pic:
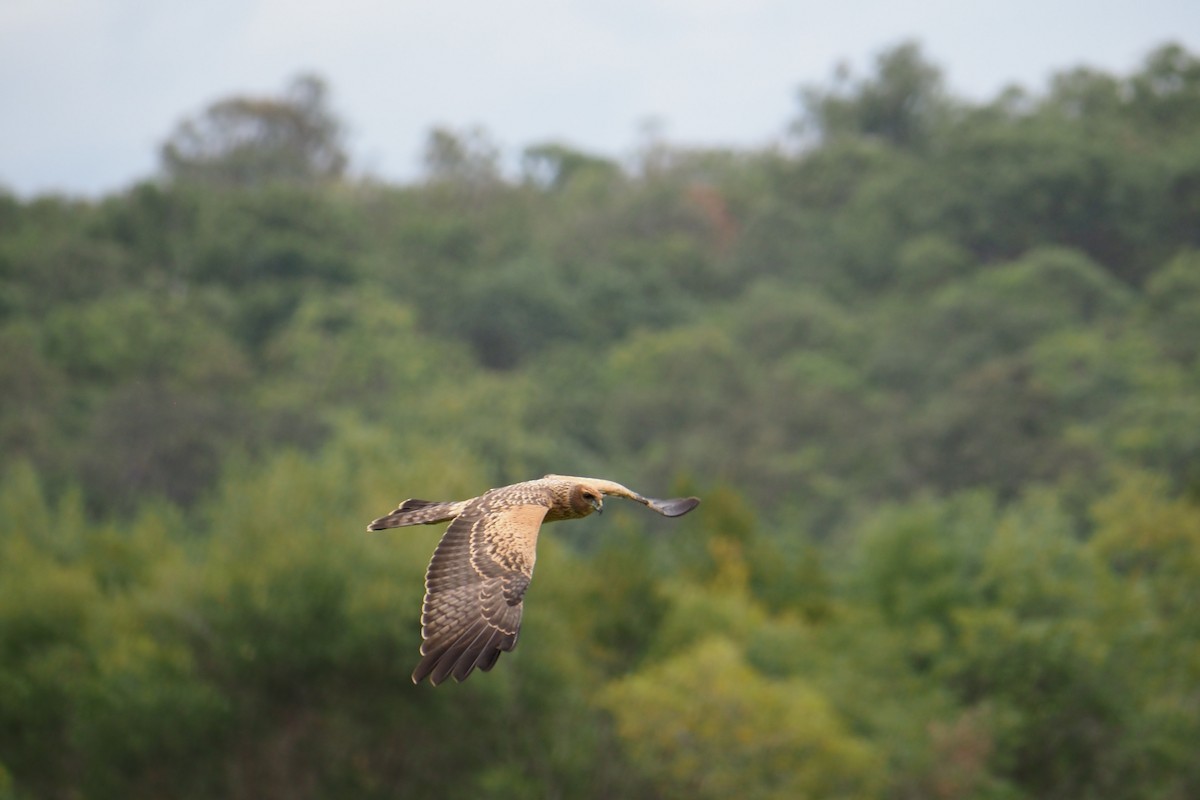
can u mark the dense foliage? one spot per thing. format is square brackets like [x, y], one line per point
[935, 371]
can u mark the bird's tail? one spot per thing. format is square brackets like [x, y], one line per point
[417, 512]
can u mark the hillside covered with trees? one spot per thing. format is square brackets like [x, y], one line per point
[933, 365]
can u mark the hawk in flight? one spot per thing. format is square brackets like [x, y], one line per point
[482, 566]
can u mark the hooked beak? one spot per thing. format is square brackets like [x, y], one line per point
[598, 504]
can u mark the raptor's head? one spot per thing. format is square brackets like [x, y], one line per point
[586, 498]
[587, 494]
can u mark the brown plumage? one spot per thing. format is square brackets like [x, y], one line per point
[477, 579]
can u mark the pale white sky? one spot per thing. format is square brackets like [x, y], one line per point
[90, 88]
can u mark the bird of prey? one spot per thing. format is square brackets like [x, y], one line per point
[482, 566]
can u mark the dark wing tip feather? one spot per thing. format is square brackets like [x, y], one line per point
[478, 647]
[488, 660]
[675, 507]
[413, 512]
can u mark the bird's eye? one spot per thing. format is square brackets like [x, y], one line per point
[589, 496]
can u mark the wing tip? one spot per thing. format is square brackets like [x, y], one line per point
[414, 512]
[675, 507]
[460, 658]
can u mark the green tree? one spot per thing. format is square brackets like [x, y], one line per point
[467, 159]
[554, 166]
[1151, 539]
[902, 104]
[1166, 93]
[1173, 306]
[246, 141]
[705, 724]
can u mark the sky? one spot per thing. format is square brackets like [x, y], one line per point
[90, 89]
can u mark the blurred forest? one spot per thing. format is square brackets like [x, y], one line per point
[933, 365]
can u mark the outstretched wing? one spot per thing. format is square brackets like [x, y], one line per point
[475, 585]
[417, 512]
